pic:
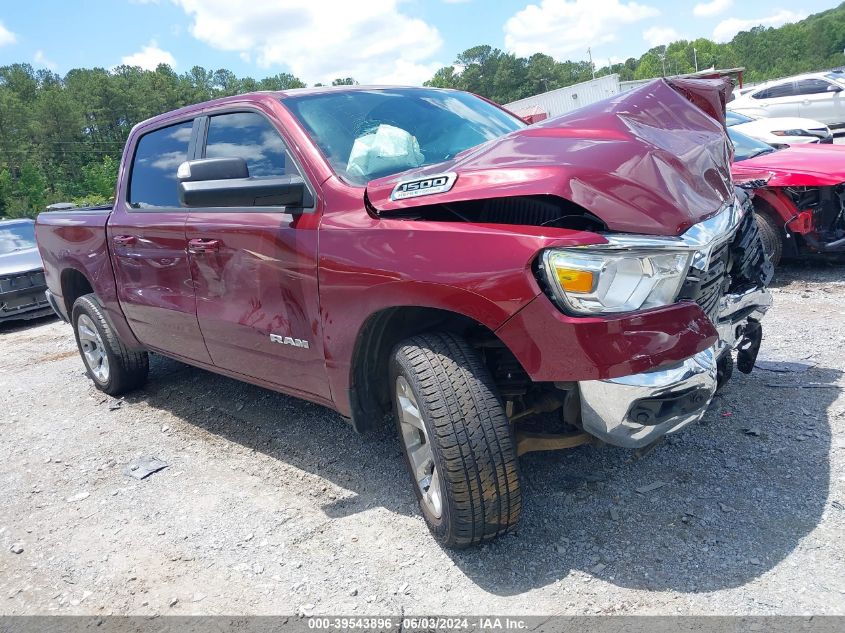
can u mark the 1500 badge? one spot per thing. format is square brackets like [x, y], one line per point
[438, 183]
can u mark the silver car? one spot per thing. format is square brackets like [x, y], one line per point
[22, 283]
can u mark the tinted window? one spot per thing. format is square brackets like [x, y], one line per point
[157, 157]
[812, 86]
[250, 136]
[734, 118]
[16, 237]
[366, 134]
[780, 90]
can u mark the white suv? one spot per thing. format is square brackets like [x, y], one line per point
[816, 96]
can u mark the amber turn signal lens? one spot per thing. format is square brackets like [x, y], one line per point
[573, 280]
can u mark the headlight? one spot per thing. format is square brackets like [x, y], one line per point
[792, 133]
[593, 281]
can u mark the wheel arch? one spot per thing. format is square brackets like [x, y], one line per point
[74, 284]
[369, 392]
[777, 206]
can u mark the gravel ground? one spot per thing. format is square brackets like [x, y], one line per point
[274, 505]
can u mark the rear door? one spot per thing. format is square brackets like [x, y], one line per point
[255, 268]
[821, 100]
[148, 245]
[778, 100]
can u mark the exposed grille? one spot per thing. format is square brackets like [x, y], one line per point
[734, 266]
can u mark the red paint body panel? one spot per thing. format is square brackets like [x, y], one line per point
[367, 265]
[154, 285]
[809, 165]
[261, 279]
[78, 242]
[552, 346]
[645, 162]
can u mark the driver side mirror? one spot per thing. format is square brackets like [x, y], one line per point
[225, 182]
[832, 88]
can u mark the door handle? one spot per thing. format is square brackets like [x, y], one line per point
[199, 245]
[124, 240]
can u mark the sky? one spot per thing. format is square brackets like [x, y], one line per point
[374, 41]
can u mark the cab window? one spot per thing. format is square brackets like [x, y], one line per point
[158, 154]
[250, 136]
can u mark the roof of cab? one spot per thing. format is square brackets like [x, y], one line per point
[261, 95]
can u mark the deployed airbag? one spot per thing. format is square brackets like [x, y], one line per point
[389, 148]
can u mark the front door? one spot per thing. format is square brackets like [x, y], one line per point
[147, 239]
[821, 100]
[255, 269]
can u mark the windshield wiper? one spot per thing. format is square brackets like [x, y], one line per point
[761, 152]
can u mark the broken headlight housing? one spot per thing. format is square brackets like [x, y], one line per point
[616, 277]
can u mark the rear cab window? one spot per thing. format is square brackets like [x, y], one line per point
[158, 154]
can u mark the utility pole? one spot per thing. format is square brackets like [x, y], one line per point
[695, 56]
[592, 67]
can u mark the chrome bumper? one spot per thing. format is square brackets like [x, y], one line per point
[633, 411]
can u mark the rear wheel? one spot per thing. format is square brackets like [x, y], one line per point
[113, 368]
[770, 235]
[458, 444]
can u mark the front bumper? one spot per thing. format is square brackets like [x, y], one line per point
[633, 411]
[29, 303]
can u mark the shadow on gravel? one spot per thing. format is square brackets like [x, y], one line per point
[740, 490]
[719, 504]
[809, 271]
[20, 325]
[293, 431]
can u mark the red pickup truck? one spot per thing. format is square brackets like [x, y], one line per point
[501, 288]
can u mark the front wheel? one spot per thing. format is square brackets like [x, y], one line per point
[458, 444]
[113, 368]
[770, 236]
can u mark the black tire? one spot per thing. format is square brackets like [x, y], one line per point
[127, 370]
[770, 235]
[471, 440]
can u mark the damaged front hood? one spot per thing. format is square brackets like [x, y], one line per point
[654, 160]
[809, 165]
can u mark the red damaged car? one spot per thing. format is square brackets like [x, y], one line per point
[423, 251]
[799, 195]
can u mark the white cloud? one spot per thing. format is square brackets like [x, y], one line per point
[726, 29]
[6, 36]
[559, 28]
[149, 57]
[320, 40]
[661, 35]
[41, 59]
[709, 9]
[604, 62]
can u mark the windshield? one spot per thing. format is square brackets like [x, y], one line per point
[746, 147]
[735, 118]
[16, 237]
[368, 134]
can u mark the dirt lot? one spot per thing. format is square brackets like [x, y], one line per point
[274, 505]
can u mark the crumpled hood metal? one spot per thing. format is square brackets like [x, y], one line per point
[654, 160]
[20, 261]
[805, 165]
